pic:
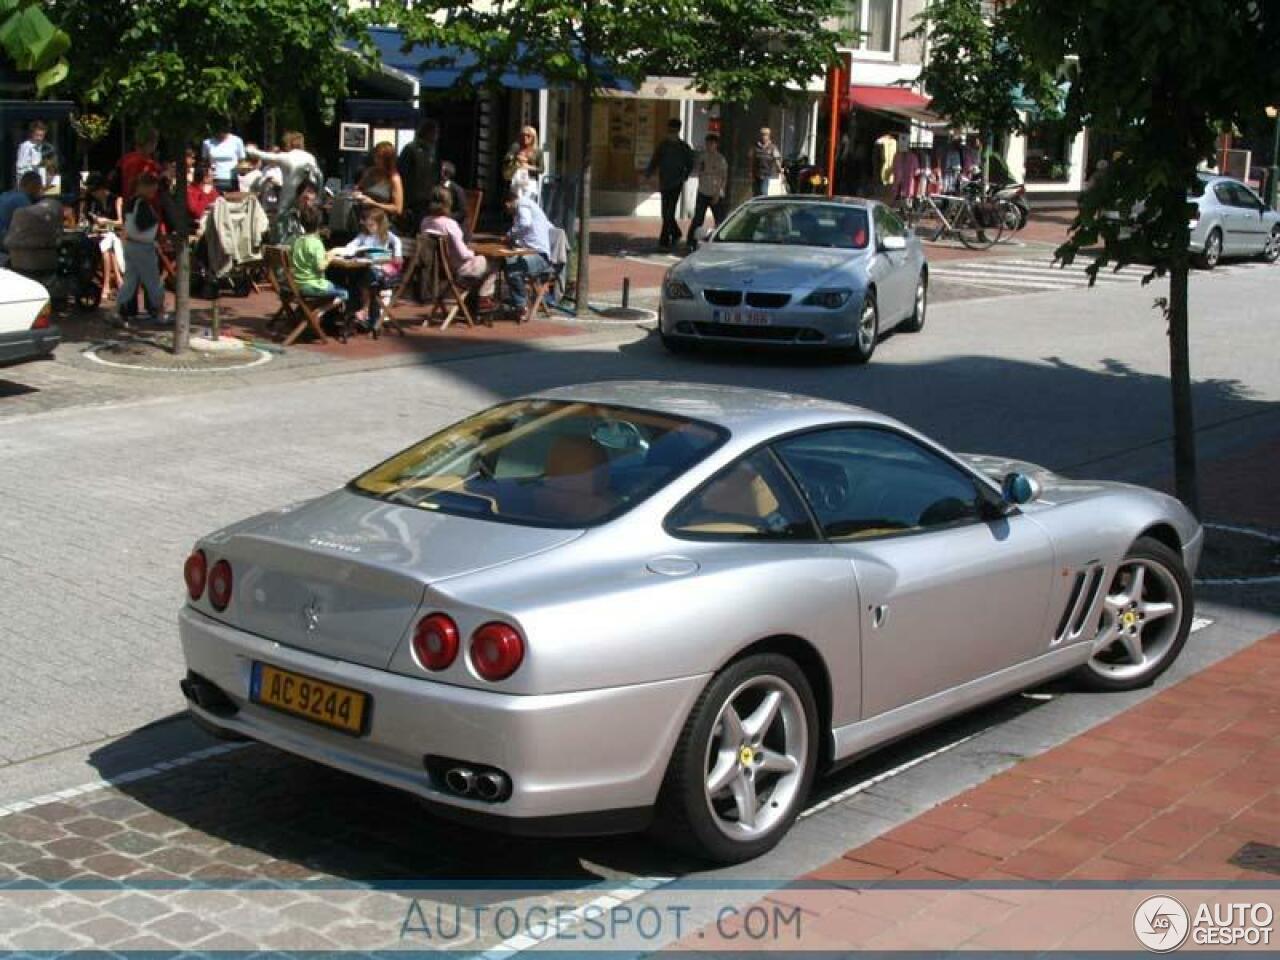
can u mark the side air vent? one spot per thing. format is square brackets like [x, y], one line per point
[1080, 608]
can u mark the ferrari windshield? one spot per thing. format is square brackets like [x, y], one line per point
[544, 463]
[802, 224]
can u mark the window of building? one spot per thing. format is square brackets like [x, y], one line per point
[1048, 152]
[870, 24]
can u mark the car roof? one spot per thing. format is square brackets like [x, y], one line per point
[726, 406]
[814, 198]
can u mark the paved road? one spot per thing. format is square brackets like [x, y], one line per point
[104, 502]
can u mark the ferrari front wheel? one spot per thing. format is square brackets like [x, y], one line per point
[744, 762]
[1145, 619]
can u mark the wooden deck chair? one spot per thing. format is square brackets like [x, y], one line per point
[419, 251]
[296, 308]
[475, 200]
[448, 296]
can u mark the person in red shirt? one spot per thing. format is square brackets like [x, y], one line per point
[140, 160]
[201, 195]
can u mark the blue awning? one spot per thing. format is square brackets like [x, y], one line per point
[439, 68]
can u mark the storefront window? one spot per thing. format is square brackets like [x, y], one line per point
[870, 25]
[624, 133]
[1048, 153]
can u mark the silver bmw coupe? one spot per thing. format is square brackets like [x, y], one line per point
[802, 272]
[629, 604]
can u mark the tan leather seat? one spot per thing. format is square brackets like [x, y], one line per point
[575, 484]
[739, 502]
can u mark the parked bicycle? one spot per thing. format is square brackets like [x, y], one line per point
[977, 220]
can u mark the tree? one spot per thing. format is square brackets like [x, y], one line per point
[182, 67]
[977, 72]
[734, 50]
[1161, 81]
[33, 43]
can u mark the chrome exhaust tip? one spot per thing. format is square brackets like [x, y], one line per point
[460, 780]
[491, 785]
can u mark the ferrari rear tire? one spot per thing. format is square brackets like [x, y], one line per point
[744, 762]
[1145, 621]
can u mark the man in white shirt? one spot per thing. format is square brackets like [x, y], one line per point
[295, 164]
[531, 230]
[32, 151]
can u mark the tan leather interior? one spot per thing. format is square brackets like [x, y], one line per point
[741, 493]
[576, 479]
[576, 456]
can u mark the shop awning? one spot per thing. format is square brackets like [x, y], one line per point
[438, 68]
[896, 101]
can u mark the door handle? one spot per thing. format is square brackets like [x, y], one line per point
[879, 614]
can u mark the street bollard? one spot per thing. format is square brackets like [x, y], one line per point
[626, 292]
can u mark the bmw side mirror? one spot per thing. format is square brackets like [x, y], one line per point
[1018, 488]
[893, 243]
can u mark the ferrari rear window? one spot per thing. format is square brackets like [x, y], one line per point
[544, 463]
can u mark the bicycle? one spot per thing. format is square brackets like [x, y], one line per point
[977, 221]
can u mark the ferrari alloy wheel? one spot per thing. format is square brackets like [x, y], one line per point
[1212, 250]
[1271, 252]
[867, 332]
[915, 322]
[744, 762]
[1146, 617]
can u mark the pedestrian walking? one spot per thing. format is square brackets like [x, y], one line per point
[672, 161]
[141, 265]
[420, 171]
[765, 163]
[712, 169]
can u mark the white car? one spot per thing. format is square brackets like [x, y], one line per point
[27, 331]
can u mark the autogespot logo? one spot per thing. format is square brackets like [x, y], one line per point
[1161, 924]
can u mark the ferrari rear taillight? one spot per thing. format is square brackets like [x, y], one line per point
[497, 650]
[196, 572]
[435, 641]
[220, 585]
[44, 317]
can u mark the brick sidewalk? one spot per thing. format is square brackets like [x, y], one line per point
[1169, 790]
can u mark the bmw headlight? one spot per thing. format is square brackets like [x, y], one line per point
[675, 289]
[828, 299]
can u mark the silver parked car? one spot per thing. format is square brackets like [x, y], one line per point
[629, 604]
[799, 271]
[1232, 222]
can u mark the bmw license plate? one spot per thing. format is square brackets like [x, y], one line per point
[316, 700]
[748, 318]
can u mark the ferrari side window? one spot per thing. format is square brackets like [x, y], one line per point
[868, 482]
[751, 499]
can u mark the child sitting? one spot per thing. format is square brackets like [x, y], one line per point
[386, 257]
[310, 261]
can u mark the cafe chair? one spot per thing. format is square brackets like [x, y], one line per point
[295, 307]
[475, 201]
[448, 295]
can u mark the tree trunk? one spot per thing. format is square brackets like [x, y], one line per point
[581, 297]
[1184, 434]
[182, 282]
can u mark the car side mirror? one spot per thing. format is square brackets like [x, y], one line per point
[893, 243]
[1019, 488]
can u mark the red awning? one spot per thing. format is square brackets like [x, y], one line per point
[898, 101]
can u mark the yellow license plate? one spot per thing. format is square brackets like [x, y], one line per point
[316, 700]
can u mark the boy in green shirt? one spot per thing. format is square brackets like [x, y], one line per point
[310, 259]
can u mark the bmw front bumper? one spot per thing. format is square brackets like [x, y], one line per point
[590, 761]
[794, 325]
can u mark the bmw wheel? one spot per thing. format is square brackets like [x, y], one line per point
[1212, 249]
[915, 322]
[744, 762]
[1145, 620]
[867, 332]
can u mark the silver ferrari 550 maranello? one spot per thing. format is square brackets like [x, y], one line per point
[802, 272]
[627, 604]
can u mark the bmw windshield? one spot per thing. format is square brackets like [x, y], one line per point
[543, 463]
[797, 224]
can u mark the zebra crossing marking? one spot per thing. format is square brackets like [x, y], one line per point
[1023, 275]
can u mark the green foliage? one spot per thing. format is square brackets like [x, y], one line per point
[977, 66]
[736, 49]
[33, 43]
[1160, 82]
[181, 65]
